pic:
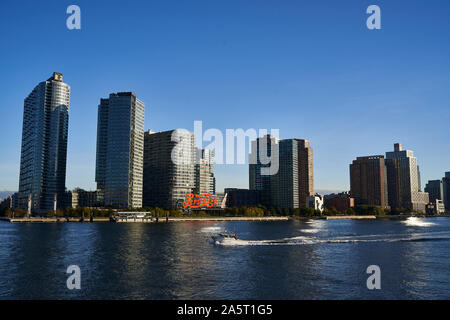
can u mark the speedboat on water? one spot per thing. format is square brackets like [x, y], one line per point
[224, 237]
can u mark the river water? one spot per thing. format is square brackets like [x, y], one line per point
[316, 259]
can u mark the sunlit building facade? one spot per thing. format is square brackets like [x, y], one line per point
[120, 150]
[204, 171]
[403, 179]
[169, 168]
[44, 145]
[368, 181]
[291, 179]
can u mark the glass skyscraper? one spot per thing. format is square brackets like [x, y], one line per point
[120, 150]
[289, 185]
[262, 147]
[204, 171]
[44, 145]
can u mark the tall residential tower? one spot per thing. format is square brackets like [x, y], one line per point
[44, 145]
[204, 171]
[404, 180]
[291, 181]
[120, 150]
[368, 181]
[169, 171]
[446, 187]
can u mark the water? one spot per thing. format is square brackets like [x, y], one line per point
[314, 259]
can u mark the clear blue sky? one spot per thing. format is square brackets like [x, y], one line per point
[309, 68]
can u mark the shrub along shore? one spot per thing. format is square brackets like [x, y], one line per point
[258, 211]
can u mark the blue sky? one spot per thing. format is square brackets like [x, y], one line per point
[311, 69]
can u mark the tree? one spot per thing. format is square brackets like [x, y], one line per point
[7, 213]
[350, 212]
[19, 213]
[86, 212]
[59, 213]
[332, 211]
[307, 212]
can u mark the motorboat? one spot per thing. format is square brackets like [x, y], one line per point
[222, 237]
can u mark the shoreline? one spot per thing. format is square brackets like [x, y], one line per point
[209, 219]
[140, 220]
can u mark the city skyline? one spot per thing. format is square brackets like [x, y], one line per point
[271, 62]
[226, 186]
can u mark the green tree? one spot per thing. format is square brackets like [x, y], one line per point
[350, 212]
[307, 212]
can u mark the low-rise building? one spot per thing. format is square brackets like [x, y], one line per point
[81, 198]
[340, 202]
[242, 197]
[435, 208]
[316, 202]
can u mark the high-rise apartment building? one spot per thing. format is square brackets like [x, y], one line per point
[368, 181]
[120, 150]
[293, 182]
[261, 150]
[305, 171]
[285, 183]
[446, 189]
[204, 171]
[435, 189]
[44, 145]
[404, 181]
[169, 168]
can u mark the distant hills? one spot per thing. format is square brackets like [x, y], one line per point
[327, 191]
[5, 194]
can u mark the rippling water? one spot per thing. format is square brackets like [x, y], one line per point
[315, 259]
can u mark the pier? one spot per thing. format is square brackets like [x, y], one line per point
[350, 217]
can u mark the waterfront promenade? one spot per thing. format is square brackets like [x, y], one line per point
[140, 220]
[203, 219]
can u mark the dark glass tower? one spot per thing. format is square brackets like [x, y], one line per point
[120, 150]
[44, 145]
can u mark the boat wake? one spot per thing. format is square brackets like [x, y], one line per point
[303, 240]
[417, 222]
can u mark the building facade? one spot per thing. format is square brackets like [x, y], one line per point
[305, 171]
[82, 198]
[285, 183]
[120, 150]
[404, 181]
[204, 171]
[340, 202]
[315, 202]
[435, 207]
[446, 190]
[242, 197]
[290, 181]
[262, 150]
[169, 168]
[44, 145]
[368, 181]
[435, 189]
